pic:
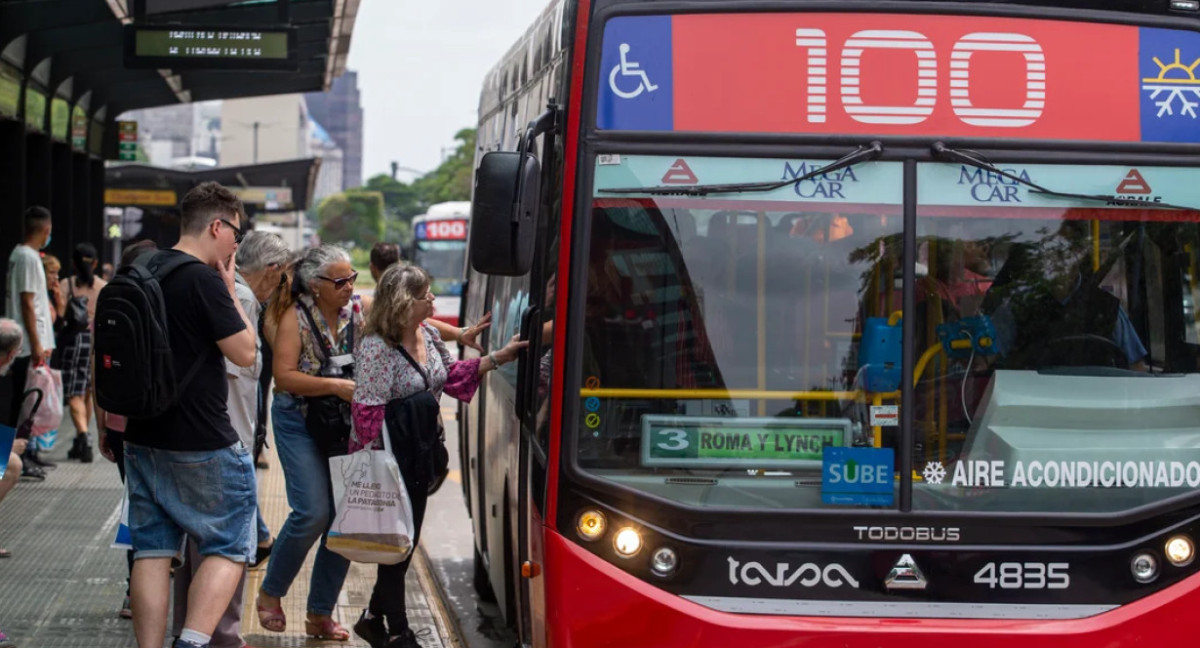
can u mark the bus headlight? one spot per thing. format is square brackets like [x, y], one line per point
[591, 524]
[1180, 550]
[664, 562]
[627, 542]
[1144, 567]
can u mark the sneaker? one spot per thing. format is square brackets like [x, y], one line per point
[73, 453]
[371, 630]
[126, 611]
[405, 639]
[29, 471]
[5, 642]
[86, 454]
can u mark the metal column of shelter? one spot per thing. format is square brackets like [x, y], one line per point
[72, 52]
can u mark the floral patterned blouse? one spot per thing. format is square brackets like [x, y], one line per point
[310, 353]
[382, 374]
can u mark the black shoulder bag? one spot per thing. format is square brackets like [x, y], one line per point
[328, 418]
[414, 426]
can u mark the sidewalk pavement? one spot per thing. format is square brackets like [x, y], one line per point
[64, 584]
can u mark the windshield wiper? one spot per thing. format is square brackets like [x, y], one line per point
[861, 154]
[972, 158]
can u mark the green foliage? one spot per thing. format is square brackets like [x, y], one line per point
[452, 180]
[354, 218]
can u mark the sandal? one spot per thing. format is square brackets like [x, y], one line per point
[326, 629]
[272, 619]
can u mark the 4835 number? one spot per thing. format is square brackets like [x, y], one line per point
[1030, 575]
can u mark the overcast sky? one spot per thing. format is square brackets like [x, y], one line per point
[420, 66]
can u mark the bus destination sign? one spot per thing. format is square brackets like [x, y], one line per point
[210, 47]
[882, 74]
[442, 230]
[721, 442]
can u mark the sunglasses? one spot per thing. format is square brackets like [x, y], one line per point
[341, 283]
[238, 234]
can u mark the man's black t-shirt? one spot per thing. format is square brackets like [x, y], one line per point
[200, 312]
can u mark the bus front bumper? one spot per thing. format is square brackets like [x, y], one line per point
[591, 603]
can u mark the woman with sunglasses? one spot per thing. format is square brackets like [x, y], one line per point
[319, 322]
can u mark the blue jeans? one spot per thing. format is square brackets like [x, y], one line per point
[208, 495]
[306, 473]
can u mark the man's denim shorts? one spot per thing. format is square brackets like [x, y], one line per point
[208, 495]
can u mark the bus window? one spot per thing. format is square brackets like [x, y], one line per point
[722, 335]
[1060, 355]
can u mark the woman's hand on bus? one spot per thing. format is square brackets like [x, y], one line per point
[467, 336]
[343, 389]
[510, 350]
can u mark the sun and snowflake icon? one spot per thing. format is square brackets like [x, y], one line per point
[1175, 82]
[935, 473]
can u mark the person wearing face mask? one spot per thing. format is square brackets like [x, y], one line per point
[27, 302]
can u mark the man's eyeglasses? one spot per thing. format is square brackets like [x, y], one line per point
[341, 283]
[238, 234]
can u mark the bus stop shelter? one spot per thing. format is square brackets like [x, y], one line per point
[63, 84]
[154, 193]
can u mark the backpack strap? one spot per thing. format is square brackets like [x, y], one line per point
[161, 269]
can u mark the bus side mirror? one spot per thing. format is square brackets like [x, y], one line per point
[504, 213]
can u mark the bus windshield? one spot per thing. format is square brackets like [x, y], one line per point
[732, 342]
[445, 262]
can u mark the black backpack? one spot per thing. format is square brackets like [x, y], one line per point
[76, 318]
[134, 364]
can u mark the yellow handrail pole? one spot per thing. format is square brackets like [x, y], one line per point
[825, 335]
[762, 308]
[926, 357]
[877, 430]
[808, 272]
[943, 411]
[1095, 245]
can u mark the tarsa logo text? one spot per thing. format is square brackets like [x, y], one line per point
[785, 575]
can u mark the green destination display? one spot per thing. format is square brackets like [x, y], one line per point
[227, 47]
[719, 442]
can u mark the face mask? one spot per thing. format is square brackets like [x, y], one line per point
[47, 243]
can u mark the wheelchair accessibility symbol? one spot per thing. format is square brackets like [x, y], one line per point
[626, 68]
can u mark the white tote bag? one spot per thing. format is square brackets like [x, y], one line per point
[374, 519]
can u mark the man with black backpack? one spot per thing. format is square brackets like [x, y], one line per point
[164, 327]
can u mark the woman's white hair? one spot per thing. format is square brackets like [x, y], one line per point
[260, 250]
[314, 263]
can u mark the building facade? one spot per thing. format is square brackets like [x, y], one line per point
[340, 112]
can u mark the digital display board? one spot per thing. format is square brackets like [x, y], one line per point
[881, 74]
[442, 230]
[722, 442]
[210, 47]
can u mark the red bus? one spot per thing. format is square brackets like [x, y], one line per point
[852, 324]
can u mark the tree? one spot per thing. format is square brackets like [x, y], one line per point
[452, 179]
[354, 217]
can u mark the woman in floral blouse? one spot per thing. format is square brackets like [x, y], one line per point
[382, 374]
